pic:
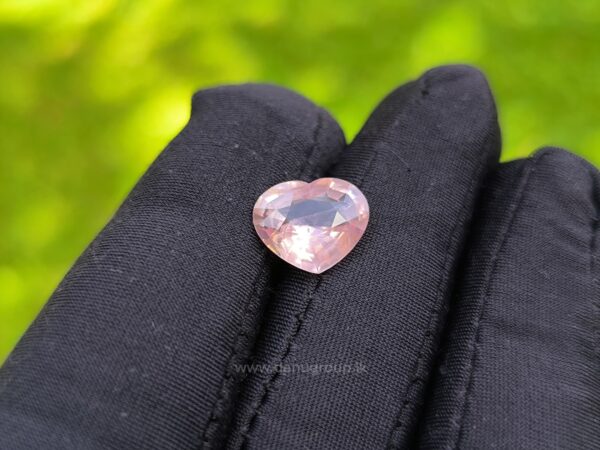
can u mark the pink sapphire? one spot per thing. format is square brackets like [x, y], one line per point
[311, 226]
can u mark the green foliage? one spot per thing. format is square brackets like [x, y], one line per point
[92, 90]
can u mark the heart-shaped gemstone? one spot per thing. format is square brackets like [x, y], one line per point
[312, 226]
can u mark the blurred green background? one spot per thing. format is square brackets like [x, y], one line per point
[91, 91]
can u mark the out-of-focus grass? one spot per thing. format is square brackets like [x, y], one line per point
[91, 91]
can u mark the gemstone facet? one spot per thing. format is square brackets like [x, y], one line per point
[312, 226]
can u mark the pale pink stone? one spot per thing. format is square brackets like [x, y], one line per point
[311, 226]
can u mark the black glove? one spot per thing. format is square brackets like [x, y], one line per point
[466, 317]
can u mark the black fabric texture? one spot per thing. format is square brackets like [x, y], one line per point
[521, 369]
[419, 160]
[466, 317]
[134, 349]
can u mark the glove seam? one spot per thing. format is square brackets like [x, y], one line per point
[595, 234]
[268, 385]
[306, 170]
[416, 378]
[458, 418]
[246, 432]
[216, 417]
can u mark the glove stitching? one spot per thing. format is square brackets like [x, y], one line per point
[310, 167]
[458, 419]
[416, 378]
[225, 390]
[593, 252]
[268, 385]
[216, 417]
[593, 245]
[246, 432]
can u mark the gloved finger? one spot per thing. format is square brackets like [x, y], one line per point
[520, 369]
[134, 348]
[376, 317]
